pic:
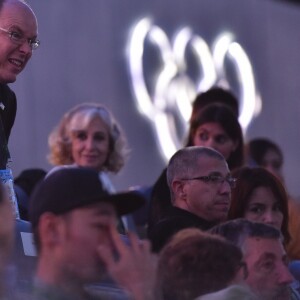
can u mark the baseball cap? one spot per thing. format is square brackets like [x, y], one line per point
[70, 188]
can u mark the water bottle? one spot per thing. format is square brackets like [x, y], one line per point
[8, 181]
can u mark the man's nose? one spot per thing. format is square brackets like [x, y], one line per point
[285, 276]
[25, 48]
[225, 187]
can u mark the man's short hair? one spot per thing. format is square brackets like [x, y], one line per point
[238, 230]
[184, 162]
[194, 263]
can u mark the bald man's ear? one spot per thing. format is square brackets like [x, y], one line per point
[179, 189]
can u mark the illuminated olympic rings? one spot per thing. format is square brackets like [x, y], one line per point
[174, 90]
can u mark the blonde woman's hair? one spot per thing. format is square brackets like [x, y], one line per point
[80, 117]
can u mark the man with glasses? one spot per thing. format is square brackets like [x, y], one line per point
[200, 186]
[18, 38]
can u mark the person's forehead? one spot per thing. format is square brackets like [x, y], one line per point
[83, 122]
[256, 248]
[101, 209]
[15, 13]
[271, 154]
[97, 124]
[212, 128]
[264, 194]
[209, 164]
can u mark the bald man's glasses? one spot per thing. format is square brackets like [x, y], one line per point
[19, 39]
[216, 179]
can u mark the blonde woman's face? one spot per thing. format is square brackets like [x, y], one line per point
[90, 145]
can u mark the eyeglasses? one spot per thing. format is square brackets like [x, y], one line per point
[19, 39]
[216, 179]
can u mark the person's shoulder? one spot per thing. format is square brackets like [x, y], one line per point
[5, 87]
[233, 292]
[166, 228]
[7, 93]
[177, 218]
[44, 291]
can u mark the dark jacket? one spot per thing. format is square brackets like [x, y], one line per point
[8, 109]
[160, 201]
[8, 114]
[175, 220]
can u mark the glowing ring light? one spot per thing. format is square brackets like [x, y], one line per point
[174, 90]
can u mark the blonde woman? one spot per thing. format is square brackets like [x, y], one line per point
[89, 136]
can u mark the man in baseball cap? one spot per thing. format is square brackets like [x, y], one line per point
[74, 223]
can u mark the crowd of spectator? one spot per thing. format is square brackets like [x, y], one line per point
[219, 221]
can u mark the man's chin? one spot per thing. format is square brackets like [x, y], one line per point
[8, 78]
[282, 294]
